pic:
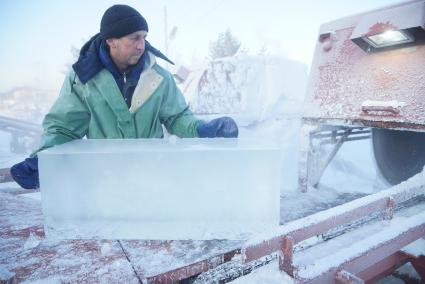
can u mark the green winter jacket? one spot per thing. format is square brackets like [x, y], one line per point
[97, 109]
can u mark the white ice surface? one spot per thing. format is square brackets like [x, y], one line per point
[160, 189]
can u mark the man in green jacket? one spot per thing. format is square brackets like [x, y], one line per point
[117, 90]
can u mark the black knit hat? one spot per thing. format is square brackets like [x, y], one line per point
[121, 20]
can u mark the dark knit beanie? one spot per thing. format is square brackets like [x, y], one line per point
[121, 20]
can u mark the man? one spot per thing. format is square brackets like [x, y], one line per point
[117, 90]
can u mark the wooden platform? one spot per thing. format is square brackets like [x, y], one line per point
[26, 255]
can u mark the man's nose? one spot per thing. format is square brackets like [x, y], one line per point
[141, 44]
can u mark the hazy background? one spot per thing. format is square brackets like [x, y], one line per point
[37, 36]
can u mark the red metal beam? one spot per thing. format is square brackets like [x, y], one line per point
[384, 267]
[191, 269]
[286, 257]
[419, 265]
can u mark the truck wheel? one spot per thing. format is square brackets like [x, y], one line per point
[398, 154]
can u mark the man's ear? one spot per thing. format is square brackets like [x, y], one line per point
[111, 43]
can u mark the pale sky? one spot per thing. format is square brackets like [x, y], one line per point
[37, 36]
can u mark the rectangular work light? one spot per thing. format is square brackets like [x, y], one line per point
[389, 38]
[397, 26]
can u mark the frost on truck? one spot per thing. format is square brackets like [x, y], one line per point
[366, 81]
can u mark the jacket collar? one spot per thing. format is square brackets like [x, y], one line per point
[89, 62]
[131, 78]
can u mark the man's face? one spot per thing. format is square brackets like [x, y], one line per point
[128, 49]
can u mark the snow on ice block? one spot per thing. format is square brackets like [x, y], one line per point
[160, 189]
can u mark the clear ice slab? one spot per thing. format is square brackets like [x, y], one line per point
[160, 189]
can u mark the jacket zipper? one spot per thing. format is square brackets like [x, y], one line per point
[125, 77]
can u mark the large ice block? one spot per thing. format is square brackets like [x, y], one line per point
[160, 189]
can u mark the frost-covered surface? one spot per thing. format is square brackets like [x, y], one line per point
[346, 76]
[19, 218]
[31, 257]
[151, 258]
[73, 261]
[5, 274]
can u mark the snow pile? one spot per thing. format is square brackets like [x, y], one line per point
[257, 86]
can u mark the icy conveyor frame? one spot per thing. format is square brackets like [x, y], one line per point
[366, 257]
[160, 189]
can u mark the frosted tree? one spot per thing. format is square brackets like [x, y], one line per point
[226, 45]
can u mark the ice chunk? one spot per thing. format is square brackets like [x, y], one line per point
[154, 189]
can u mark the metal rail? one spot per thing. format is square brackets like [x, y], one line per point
[24, 135]
[15, 125]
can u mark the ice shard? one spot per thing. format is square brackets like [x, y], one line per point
[160, 189]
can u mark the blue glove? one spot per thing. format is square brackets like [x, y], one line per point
[26, 173]
[220, 127]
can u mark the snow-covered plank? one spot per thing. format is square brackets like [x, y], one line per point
[166, 261]
[363, 253]
[320, 222]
